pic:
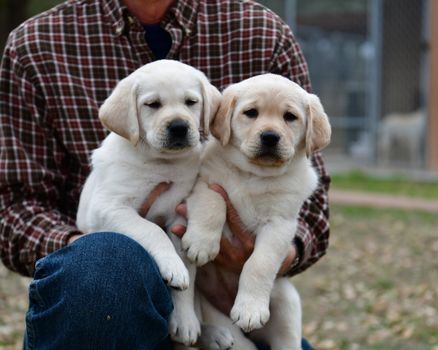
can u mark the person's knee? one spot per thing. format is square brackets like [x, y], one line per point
[108, 279]
[114, 266]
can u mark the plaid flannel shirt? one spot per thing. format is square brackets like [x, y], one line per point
[58, 68]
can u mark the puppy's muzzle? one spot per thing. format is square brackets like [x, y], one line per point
[177, 134]
[268, 153]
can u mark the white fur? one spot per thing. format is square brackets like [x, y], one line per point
[136, 157]
[402, 134]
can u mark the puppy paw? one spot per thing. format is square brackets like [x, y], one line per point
[249, 314]
[215, 338]
[173, 271]
[199, 249]
[184, 327]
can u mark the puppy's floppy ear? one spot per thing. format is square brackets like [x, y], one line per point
[221, 124]
[318, 127]
[211, 100]
[119, 111]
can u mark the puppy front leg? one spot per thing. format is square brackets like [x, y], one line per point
[184, 325]
[283, 331]
[219, 332]
[206, 218]
[151, 237]
[251, 307]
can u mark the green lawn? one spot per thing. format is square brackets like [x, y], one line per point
[359, 181]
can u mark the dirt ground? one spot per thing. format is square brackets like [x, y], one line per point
[377, 288]
[13, 305]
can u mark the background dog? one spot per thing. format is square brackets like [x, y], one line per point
[400, 137]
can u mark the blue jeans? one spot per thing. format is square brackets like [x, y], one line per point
[103, 291]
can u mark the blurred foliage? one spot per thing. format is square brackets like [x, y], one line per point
[357, 212]
[33, 7]
[14, 12]
[37, 6]
[359, 181]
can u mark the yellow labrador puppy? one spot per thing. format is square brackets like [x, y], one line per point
[265, 129]
[155, 115]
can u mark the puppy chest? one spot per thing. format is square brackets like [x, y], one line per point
[259, 209]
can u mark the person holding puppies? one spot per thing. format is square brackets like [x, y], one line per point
[104, 291]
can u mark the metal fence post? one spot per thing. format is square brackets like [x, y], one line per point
[375, 72]
[290, 13]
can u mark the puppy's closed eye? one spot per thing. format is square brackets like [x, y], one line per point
[251, 113]
[153, 104]
[190, 102]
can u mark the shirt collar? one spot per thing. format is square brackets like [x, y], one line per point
[183, 11]
[114, 11]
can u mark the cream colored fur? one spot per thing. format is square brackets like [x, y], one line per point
[267, 186]
[402, 133]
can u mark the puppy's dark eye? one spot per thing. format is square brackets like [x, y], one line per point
[289, 117]
[190, 102]
[154, 104]
[251, 113]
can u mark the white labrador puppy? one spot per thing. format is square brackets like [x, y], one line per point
[155, 115]
[266, 128]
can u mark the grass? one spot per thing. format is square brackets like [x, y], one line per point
[359, 181]
[376, 289]
[360, 213]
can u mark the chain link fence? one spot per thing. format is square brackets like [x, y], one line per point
[367, 64]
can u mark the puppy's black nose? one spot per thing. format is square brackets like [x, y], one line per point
[269, 138]
[178, 128]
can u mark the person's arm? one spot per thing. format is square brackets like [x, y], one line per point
[31, 225]
[311, 240]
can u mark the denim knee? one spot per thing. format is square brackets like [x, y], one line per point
[104, 291]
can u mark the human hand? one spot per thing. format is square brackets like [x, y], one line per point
[233, 253]
[150, 199]
[73, 238]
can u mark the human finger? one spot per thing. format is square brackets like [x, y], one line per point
[231, 256]
[181, 209]
[287, 262]
[178, 230]
[152, 197]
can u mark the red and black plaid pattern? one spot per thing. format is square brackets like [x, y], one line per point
[58, 68]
